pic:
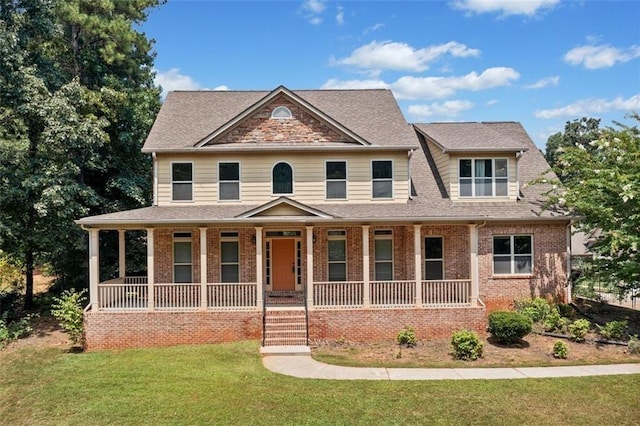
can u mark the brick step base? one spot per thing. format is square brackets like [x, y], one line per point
[285, 328]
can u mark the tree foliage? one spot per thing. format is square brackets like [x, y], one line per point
[76, 101]
[577, 132]
[602, 188]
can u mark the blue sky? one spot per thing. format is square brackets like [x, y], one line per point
[539, 62]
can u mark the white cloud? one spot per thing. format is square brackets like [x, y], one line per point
[401, 56]
[373, 28]
[313, 9]
[600, 56]
[172, 80]
[340, 16]
[440, 87]
[445, 109]
[545, 82]
[491, 102]
[336, 84]
[504, 7]
[221, 88]
[585, 107]
[315, 20]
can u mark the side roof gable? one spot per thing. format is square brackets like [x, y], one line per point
[472, 137]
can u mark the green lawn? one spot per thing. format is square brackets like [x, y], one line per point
[226, 384]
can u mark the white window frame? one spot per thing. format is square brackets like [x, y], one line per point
[383, 234]
[229, 237]
[512, 255]
[293, 180]
[192, 181]
[181, 239]
[345, 180]
[474, 179]
[220, 181]
[390, 197]
[426, 260]
[337, 235]
[281, 108]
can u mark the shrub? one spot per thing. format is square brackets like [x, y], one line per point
[613, 330]
[634, 345]
[565, 310]
[552, 322]
[579, 329]
[10, 331]
[466, 345]
[67, 309]
[407, 337]
[560, 350]
[509, 327]
[537, 309]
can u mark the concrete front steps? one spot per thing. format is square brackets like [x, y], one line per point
[285, 327]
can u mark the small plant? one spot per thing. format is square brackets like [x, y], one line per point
[67, 309]
[560, 350]
[565, 310]
[407, 337]
[509, 327]
[10, 331]
[613, 330]
[634, 345]
[537, 309]
[466, 345]
[579, 329]
[552, 322]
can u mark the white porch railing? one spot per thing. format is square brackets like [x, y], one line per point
[176, 296]
[343, 294]
[119, 296]
[237, 296]
[393, 293]
[446, 293]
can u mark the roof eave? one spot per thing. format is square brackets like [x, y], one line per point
[254, 148]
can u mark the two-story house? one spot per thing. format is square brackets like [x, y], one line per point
[320, 214]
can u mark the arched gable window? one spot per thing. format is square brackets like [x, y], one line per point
[281, 113]
[282, 179]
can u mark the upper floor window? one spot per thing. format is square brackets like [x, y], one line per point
[229, 181]
[383, 255]
[229, 257]
[182, 181]
[281, 113]
[282, 179]
[336, 178]
[182, 260]
[512, 254]
[485, 177]
[382, 178]
[433, 258]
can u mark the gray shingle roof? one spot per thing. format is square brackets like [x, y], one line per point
[473, 137]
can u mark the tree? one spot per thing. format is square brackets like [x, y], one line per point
[602, 187]
[577, 132]
[76, 101]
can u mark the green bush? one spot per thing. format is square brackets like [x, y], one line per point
[634, 345]
[509, 327]
[466, 345]
[565, 310]
[13, 330]
[560, 350]
[536, 309]
[67, 309]
[579, 329]
[613, 330]
[407, 337]
[552, 322]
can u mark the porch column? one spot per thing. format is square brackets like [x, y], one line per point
[203, 269]
[366, 291]
[94, 267]
[309, 267]
[259, 278]
[150, 276]
[417, 252]
[473, 264]
[122, 262]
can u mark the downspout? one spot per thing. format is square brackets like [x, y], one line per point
[475, 278]
[155, 178]
[410, 154]
[569, 281]
[518, 156]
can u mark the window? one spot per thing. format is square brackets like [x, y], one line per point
[182, 181]
[182, 260]
[229, 181]
[281, 113]
[337, 255]
[229, 257]
[383, 255]
[484, 177]
[282, 179]
[433, 258]
[512, 254]
[336, 177]
[382, 179]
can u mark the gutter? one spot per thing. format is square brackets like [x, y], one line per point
[266, 148]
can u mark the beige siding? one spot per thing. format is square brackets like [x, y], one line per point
[453, 172]
[442, 162]
[308, 173]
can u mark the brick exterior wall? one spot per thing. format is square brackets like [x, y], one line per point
[110, 330]
[301, 128]
[373, 325]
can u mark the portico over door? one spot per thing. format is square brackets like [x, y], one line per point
[283, 261]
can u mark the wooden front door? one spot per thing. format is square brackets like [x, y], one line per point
[283, 261]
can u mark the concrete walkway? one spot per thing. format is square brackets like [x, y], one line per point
[305, 367]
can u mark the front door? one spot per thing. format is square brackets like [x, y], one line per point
[283, 261]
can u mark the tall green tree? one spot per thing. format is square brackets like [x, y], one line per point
[602, 188]
[76, 101]
[579, 132]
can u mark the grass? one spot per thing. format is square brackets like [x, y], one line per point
[226, 384]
